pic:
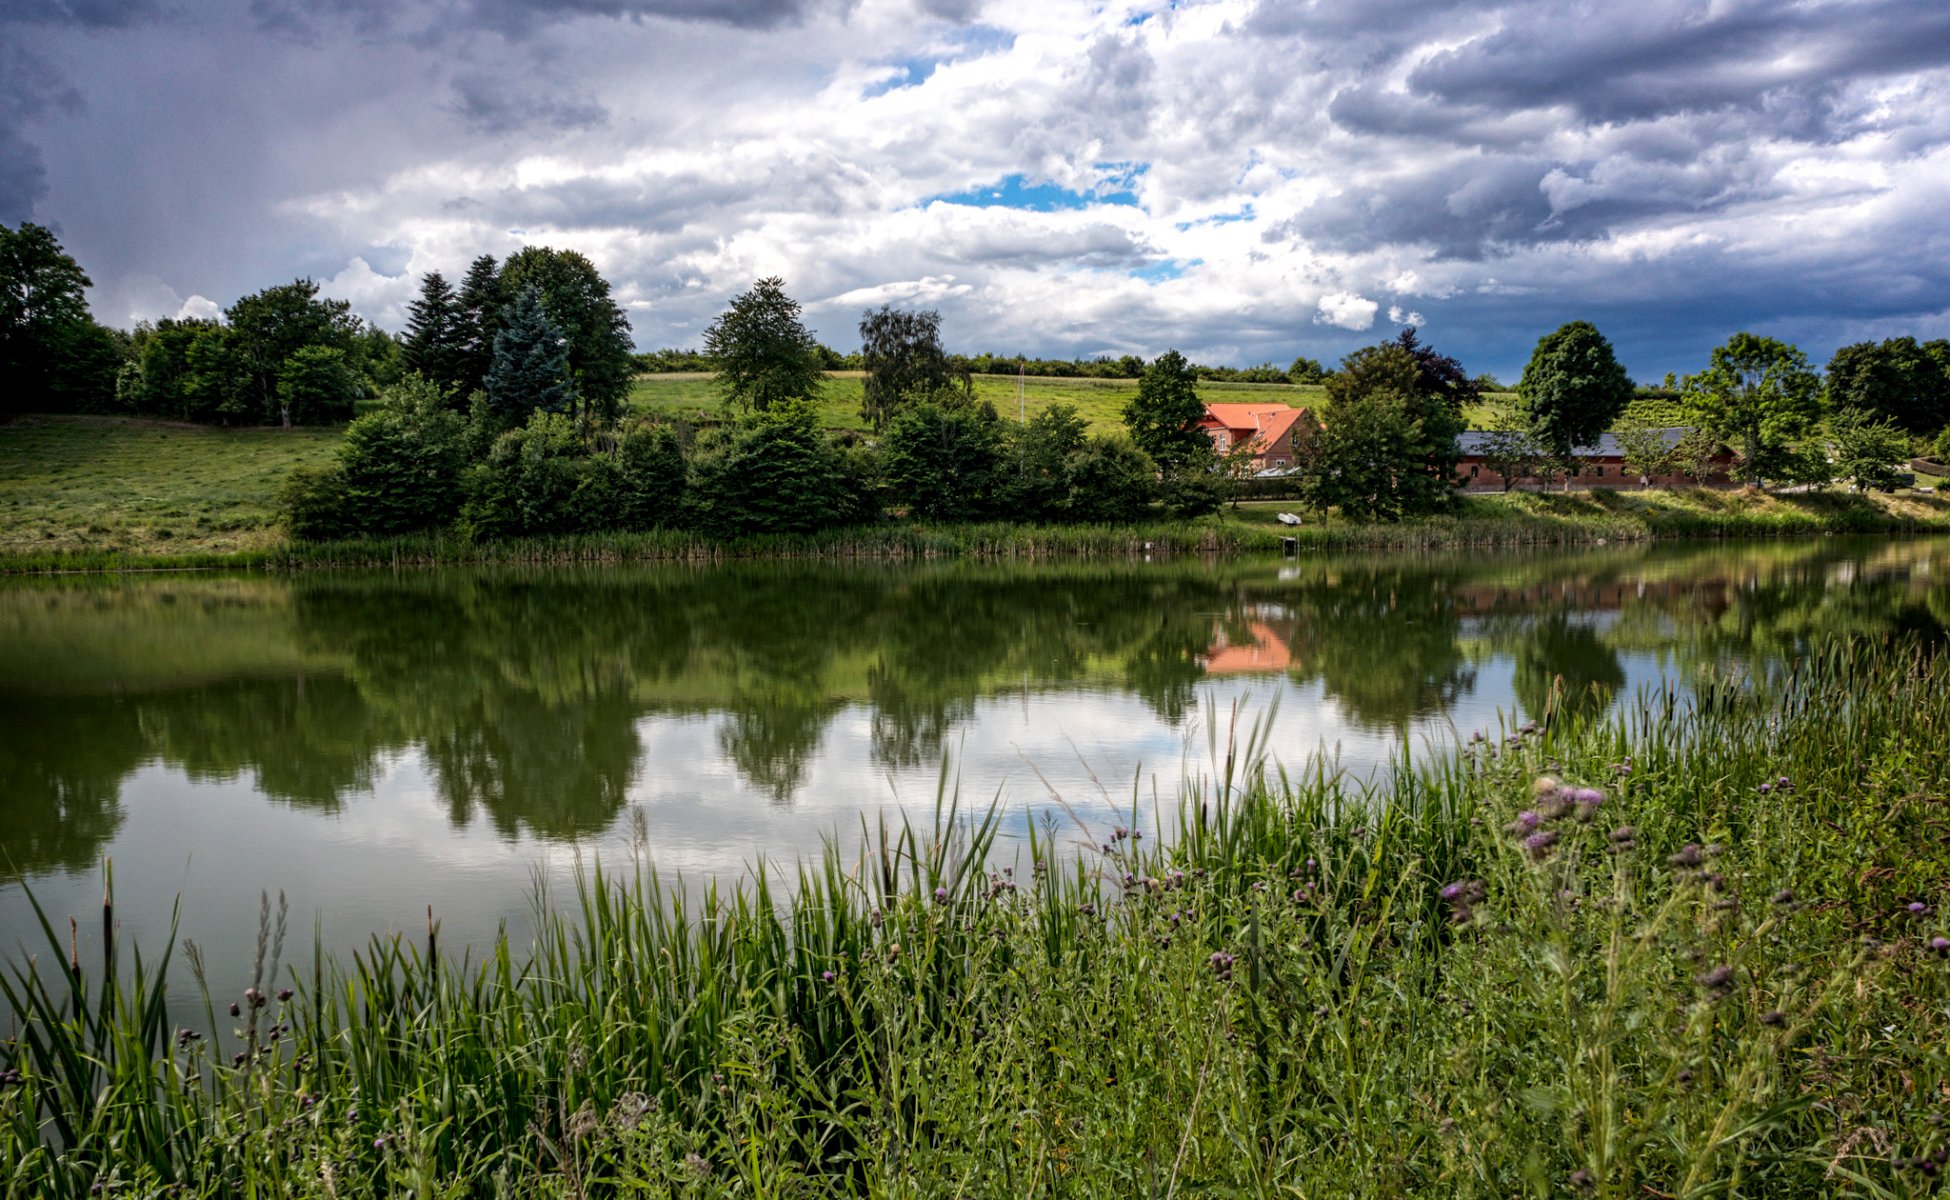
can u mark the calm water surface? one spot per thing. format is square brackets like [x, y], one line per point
[373, 744]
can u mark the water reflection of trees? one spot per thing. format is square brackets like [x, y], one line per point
[526, 690]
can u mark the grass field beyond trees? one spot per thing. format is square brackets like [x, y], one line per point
[1100, 402]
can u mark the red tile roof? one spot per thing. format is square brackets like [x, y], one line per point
[1267, 422]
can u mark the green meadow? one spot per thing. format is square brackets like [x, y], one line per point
[1100, 402]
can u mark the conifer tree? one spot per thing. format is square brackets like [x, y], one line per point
[530, 372]
[482, 300]
[437, 335]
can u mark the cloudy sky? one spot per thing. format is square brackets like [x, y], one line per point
[1244, 179]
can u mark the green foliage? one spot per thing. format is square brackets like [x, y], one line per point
[316, 387]
[1163, 416]
[311, 506]
[1193, 490]
[1367, 445]
[266, 329]
[52, 354]
[397, 471]
[905, 364]
[1306, 371]
[437, 335]
[650, 478]
[1387, 448]
[1033, 480]
[1868, 452]
[943, 462]
[1759, 396]
[1896, 380]
[531, 364]
[1940, 449]
[776, 474]
[577, 300]
[539, 480]
[87, 358]
[483, 301]
[401, 465]
[1111, 481]
[1572, 389]
[1645, 450]
[761, 351]
[1696, 456]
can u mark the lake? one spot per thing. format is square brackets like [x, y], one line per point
[373, 744]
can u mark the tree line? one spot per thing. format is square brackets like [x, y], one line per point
[501, 411]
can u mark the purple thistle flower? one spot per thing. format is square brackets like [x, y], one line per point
[941, 895]
[284, 994]
[1766, 788]
[1918, 908]
[1452, 892]
[1940, 944]
[1716, 978]
[1538, 845]
[827, 976]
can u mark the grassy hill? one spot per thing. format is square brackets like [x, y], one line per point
[117, 485]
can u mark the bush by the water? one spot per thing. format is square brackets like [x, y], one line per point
[1695, 950]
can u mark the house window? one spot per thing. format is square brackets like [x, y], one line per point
[1473, 471]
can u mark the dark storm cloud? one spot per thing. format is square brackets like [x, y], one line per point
[29, 87]
[88, 14]
[1633, 62]
[493, 104]
[520, 16]
[961, 12]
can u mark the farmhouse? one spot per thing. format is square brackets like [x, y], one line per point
[1268, 429]
[1600, 465]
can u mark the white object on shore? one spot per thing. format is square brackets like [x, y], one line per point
[1288, 518]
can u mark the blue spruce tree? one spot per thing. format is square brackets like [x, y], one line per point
[531, 363]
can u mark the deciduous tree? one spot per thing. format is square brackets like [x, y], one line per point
[1896, 380]
[51, 350]
[761, 351]
[1163, 416]
[1572, 389]
[904, 361]
[270, 326]
[1758, 395]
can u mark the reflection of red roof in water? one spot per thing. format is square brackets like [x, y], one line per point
[1267, 653]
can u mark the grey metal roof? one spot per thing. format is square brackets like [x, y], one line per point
[1474, 442]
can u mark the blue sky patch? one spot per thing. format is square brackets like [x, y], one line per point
[1244, 214]
[973, 42]
[1015, 191]
[1163, 269]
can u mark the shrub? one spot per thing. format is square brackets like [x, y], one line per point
[531, 483]
[1111, 481]
[777, 474]
[400, 466]
[311, 501]
[941, 460]
[649, 478]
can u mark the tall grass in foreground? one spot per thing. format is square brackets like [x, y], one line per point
[1692, 950]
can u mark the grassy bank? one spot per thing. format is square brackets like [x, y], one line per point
[1701, 960]
[81, 493]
